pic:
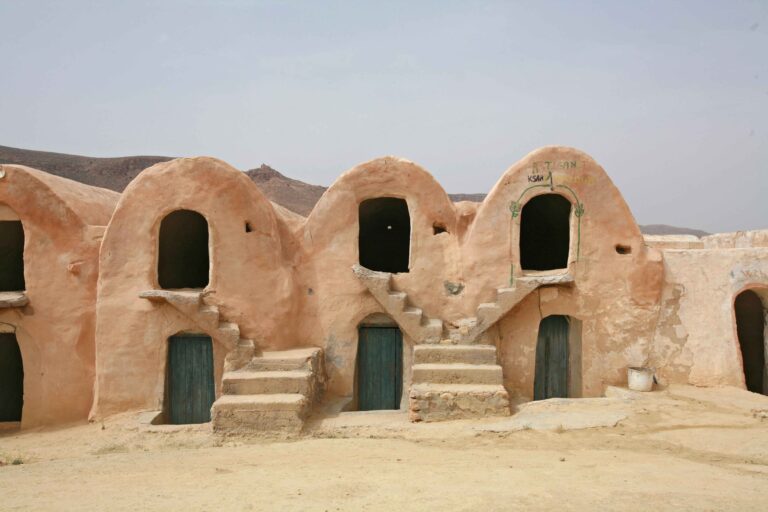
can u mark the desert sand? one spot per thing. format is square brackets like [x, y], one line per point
[684, 448]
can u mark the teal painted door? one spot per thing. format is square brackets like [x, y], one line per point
[191, 389]
[11, 378]
[379, 368]
[551, 378]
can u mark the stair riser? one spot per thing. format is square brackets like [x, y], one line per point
[450, 406]
[244, 421]
[490, 375]
[467, 356]
[276, 365]
[260, 386]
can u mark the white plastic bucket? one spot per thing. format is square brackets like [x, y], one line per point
[640, 378]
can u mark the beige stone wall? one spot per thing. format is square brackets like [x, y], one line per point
[615, 295]
[63, 223]
[695, 340]
[289, 282]
[251, 277]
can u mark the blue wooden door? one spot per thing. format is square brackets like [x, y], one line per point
[11, 378]
[191, 389]
[551, 378]
[379, 368]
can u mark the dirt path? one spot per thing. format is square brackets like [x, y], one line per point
[670, 453]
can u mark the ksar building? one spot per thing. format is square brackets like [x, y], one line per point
[194, 296]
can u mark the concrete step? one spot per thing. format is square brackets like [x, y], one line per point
[433, 330]
[245, 382]
[444, 354]
[488, 313]
[397, 300]
[209, 316]
[507, 298]
[437, 402]
[457, 373]
[230, 332]
[283, 360]
[259, 413]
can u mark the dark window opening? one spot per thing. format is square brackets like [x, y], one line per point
[385, 234]
[11, 256]
[248, 227]
[11, 378]
[545, 233]
[750, 326]
[623, 249]
[438, 228]
[183, 259]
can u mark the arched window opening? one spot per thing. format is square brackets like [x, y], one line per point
[11, 256]
[11, 379]
[545, 233]
[750, 326]
[385, 234]
[183, 260]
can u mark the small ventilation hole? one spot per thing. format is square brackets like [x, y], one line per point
[438, 228]
[248, 227]
[623, 249]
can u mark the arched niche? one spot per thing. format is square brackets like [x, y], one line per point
[183, 256]
[385, 234]
[750, 327]
[545, 224]
[11, 251]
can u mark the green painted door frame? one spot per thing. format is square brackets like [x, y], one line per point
[379, 368]
[191, 389]
[551, 377]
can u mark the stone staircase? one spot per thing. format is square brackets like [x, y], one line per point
[191, 303]
[412, 320]
[470, 330]
[455, 374]
[273, 392]
[456, 381]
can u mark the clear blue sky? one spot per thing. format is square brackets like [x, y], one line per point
[670, 97]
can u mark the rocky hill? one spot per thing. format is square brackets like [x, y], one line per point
[295, 195]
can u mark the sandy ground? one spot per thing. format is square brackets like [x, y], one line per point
[680, 449]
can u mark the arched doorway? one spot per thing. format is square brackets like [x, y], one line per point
[191, 389]
[183, 260]
[384, 241]
[552, 355]
[11, 256]
[545, 224]
[750, 326]
[379, 367]
[11, 379]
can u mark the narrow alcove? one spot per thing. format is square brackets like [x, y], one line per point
[385, 234]
[545, 233]
[183, 251]
[750, 327]
[11, 256]
[11, 379]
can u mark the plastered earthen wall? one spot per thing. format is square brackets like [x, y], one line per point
[696, 340]
[63, 224]
[288, 282]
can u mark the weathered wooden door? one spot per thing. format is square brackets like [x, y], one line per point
[191, 389]
[551, 378]
[379, 368]
[11, 378]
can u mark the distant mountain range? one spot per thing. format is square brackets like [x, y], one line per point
[295, 195]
